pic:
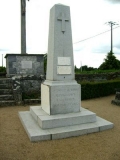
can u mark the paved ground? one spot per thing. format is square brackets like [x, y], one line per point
[15, 145]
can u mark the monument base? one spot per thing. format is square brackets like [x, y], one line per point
[60, 97]
[41, 126]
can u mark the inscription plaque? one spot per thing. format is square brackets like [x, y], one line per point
[64, 70]
[26, 64]
[64, 61]
[65, 98]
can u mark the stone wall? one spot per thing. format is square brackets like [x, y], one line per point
[24, 64]
[25, 87]
[97, 77]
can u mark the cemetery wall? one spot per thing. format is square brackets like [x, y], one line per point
[97, 77]
[26, 87]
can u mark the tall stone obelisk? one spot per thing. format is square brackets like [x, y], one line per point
[23, 26]
[60, 64]
[60, 93]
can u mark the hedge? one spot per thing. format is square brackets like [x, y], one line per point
[98, 89]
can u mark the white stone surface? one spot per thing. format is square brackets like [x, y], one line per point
[35, 133]
[104, 124]
[64, 61]
[59, 83]
[61, 120]
[37, 111]
[60, 99]
[64, 70]
[73, 131]
[59, 42]
[45, 98]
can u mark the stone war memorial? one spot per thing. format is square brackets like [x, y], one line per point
[60, 114]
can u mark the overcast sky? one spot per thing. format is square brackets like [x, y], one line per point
[88, 19]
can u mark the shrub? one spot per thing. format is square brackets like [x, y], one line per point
[2, 69]
[31, 95]
[98, 89]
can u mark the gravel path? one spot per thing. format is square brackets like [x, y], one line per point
[15, 145]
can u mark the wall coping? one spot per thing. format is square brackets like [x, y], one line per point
[18, 54]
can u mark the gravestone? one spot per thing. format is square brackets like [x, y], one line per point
[116, 101]
[60, 114]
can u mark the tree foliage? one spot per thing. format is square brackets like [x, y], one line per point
[86, 68]
[110, 62]
[2, 69]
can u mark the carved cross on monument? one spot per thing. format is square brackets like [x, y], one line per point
[63, 19]
[23, 26]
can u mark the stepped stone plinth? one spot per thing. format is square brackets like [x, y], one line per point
[41, 126]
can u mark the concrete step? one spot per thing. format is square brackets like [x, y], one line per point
[5, 91]
[5, 80]
[32, 101]
[46, 121]
[6, 97]
[7, 103]
[5, 86]
[35, 133]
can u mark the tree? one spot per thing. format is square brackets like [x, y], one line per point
[86, 68]
[77, 70]
[110, 62]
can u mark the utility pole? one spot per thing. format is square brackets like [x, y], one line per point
[81, 66]
[2, 60]
[23, 26]
[110, 23]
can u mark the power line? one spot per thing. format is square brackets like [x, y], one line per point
[94, 36]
